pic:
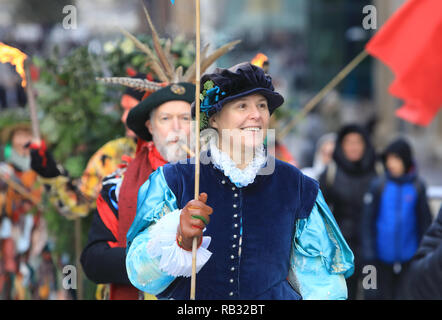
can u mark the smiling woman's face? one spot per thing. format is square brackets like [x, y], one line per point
[245, 121]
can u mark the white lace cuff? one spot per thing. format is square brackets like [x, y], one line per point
[174, 260]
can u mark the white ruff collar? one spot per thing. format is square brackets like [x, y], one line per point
[240, 178]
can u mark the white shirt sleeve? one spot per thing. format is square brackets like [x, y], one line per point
[174, 260]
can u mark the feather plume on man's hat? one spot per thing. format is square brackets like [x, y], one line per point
[161, 62]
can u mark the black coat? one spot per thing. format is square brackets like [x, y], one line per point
[425, 273]
[101, 262]
[344, 189]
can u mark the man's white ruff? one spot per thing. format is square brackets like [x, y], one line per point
[240, 178]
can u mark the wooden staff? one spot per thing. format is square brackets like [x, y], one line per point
[321, 94]
[31, 101]
[78, 248]
[197, 140]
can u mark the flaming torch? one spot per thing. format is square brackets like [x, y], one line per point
[21, 62]
[262, 61]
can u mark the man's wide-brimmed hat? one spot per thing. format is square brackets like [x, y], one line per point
[225, 85]
[8, 131]
[141, 112]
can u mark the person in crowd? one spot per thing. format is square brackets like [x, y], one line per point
[344, 182]
[20, 214]
[396, 215]
[323, 155]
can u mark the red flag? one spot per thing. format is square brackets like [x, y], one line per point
[410, 43]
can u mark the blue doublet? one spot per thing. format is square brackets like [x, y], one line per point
[264, 212]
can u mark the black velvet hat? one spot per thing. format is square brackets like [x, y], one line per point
[141, 113]
[225, 85]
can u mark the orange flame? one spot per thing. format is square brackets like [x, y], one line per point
[14, 57]
[259, 60]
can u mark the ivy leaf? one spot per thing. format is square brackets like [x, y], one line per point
[208, 85]
[204, 121]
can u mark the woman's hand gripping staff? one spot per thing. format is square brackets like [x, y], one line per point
[195, 216]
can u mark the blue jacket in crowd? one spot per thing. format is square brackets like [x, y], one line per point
[396, 212]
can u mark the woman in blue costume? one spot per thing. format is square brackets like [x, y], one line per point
[264, 230]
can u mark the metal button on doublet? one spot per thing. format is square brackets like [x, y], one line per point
[232, 257]
[231, 280]
[235, 195]
[234, 246]
[236, 225]
[232, 269]
[235, 236]
[223, 182]
[233, 188]
[234, 205]
[231, 294]
[235, 216]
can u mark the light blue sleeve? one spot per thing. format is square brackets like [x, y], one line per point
[155, 199]
[321, 258]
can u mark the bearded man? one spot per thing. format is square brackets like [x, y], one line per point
[162, 124]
